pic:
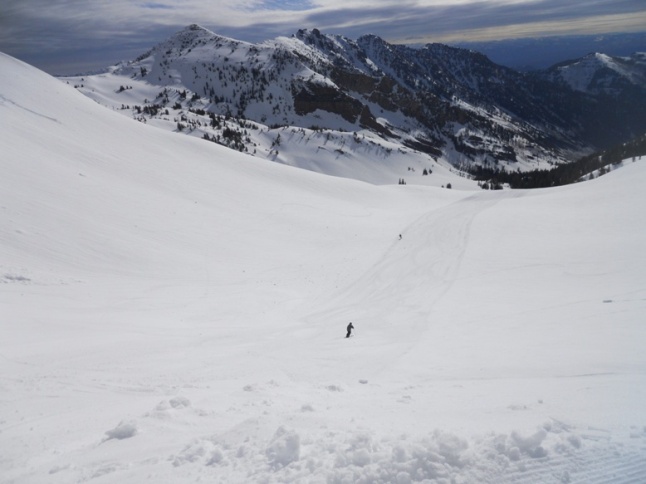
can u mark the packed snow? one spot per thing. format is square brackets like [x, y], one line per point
[175, 311]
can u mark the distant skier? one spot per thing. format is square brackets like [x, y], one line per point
[350, 328]
[400, 236]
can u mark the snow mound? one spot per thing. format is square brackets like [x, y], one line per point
[284, 448]
[547, 455]
[124, 430]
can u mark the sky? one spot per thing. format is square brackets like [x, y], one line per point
[72, 36]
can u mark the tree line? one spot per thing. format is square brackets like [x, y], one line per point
[562, 174]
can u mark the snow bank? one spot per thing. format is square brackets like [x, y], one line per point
[124, 430]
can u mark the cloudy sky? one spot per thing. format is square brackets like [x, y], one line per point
[69, 36]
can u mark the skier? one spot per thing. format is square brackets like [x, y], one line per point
[350, 328]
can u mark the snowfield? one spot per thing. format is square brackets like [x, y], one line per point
[175, 311]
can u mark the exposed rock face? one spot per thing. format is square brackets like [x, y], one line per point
[442, 100]
[327, 98]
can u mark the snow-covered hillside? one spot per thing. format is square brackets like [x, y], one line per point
[175, 311]
[599, 73]
[375, 111]
[240, 95]
[343, 151]
[361, 109]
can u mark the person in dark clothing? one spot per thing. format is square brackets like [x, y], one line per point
[350, 328]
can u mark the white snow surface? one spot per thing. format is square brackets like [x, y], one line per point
[580, 75]
[174, 311]
[351, 153]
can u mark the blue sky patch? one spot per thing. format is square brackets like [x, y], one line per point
[288, 4]
[155, 5]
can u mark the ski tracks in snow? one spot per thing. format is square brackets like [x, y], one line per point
[392, 304]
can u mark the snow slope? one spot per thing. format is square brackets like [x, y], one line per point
[600, 73]
[360, 155]
[174, 311]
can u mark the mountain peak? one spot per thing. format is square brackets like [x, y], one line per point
[597, 72]
[194, 30]
[305, 33]
[314, 37]
[446, 102]
[188, 34]
[195, 27]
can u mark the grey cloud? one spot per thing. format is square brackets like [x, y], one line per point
[59, 35]
[392, 22]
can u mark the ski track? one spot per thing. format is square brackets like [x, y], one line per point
[396, 297]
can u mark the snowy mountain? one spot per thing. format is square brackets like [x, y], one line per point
[530, 54]
[447, 108]
[617, 87]
[602, 74]
[175, 311]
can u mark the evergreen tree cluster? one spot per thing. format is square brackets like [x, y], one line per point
[562, 174]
